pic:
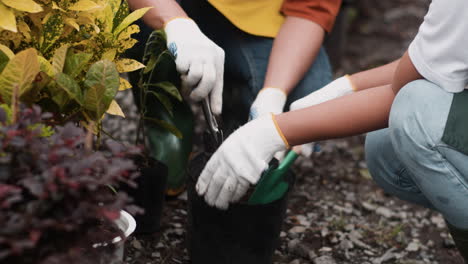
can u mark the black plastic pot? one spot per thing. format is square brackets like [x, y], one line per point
[149, 195]
[243, 234]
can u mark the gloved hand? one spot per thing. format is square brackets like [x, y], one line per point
[268, 100]
[337, 88]
[198, 59]
[240, 161]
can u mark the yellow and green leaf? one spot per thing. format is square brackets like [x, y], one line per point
[114, 109]
[7, 51]
[24, 5]
[72, 23]
[109, 55]
[128, 65]
[75, 63]
[45, 66]
[134, 16]
[20, 72]
[102, 84]
[58, 60]
[69, 86]
[85, 5]
[7, 19]
[53, 28]
[124, 84]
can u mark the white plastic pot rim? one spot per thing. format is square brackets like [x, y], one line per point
[126, 223]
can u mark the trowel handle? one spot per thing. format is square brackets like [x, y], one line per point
[288, 160]
[211, 122]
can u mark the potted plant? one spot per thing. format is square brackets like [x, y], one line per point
[56, 198]
[165, 127]
[66, 56]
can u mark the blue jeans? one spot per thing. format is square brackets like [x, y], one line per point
[246, 62]
[409, 160]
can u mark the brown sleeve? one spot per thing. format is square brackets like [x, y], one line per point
[322, 12]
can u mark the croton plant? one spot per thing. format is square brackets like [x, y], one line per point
[65, 55]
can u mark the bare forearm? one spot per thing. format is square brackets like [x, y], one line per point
[162, 11]
[404, 73]
[349, 115]
[379, 76]
[294, 50]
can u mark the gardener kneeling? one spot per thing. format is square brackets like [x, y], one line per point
[417, 107]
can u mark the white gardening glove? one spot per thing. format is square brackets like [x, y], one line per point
[337, 88]
[268, 100]
[198, 59]
[240, 161]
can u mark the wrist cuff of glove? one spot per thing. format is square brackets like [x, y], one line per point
[278, 129]
[276, 89]
[351, 84]
[178, 18]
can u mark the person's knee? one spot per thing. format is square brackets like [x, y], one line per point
[411, 114]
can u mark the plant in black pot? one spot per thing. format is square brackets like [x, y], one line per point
[165, 127]
[57, 203]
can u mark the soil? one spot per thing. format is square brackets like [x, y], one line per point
[337, 214]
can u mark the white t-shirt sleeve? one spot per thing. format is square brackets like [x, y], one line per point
[440, 49]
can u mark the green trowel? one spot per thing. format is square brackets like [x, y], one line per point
[273, 185]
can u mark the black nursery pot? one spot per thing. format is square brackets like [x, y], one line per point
[243, 234]
[149, 195]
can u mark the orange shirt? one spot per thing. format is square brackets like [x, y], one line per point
[265, 17]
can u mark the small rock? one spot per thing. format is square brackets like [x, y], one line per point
[324, 260]
[325, 249]
[156, 255]
[324, 232]
[297, 229]
[438, 220]
[449, 243]
[385, 257]
[137, 244]
[298, 248]
[412, 247]
[312, 255]
[346, 245]
[369, 206]
[385, 212]
[296, 261]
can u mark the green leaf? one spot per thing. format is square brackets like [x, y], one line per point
[176, 132]
[169, 88]
[3, 60]
[120, 15]
[164, 101]
[102, 84]
[134, 16]
[19, 72]
[7, 51]
[68, 85]
[76, 62]
[45, 66]
[53, 28]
